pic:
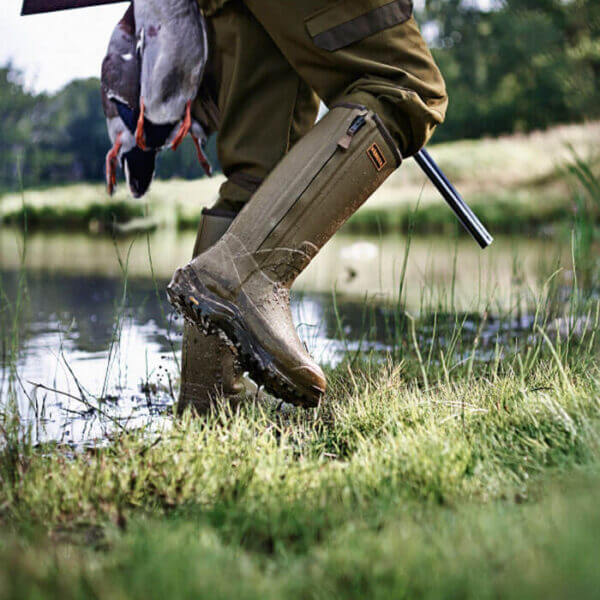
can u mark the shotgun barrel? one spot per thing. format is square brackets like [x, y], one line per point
[461, 209]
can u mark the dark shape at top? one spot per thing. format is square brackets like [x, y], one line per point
[34, 7]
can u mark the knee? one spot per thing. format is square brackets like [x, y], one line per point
[410, 116]
[423, 115]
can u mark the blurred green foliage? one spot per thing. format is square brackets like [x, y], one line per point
[510, 65]
[49, 139]
[517, 66]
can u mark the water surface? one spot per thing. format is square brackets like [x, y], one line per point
[99, 345]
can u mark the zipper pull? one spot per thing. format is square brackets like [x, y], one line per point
[357, 123]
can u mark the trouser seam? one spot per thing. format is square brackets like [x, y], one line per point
[246, 181]
[292, 115]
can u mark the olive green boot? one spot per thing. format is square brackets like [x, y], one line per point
[240, 286]
[208, 367]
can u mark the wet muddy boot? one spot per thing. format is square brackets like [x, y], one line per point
[208, 367]
[241, 284]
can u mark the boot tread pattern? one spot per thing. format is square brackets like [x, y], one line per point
[214, 316]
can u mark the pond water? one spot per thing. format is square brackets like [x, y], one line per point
[99, 349]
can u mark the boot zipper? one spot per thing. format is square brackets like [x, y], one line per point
[357, 123]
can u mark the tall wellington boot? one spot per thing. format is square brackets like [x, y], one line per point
[208, 367]
[240, 286]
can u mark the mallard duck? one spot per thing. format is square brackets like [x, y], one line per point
[120, 86]
[172, 44]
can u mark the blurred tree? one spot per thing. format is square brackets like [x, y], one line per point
[16, 109]
[510, 65]
[63, 137]
[515, 65]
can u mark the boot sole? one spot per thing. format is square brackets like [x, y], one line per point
[213, 315]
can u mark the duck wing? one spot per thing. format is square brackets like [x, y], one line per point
[173, 56]
[120, 78]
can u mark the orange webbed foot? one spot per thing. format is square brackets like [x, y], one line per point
[202, 157]
[140, 140]
[185, 127]
[111, 165]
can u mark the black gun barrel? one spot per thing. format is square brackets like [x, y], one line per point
[36, 7]
[461, 209]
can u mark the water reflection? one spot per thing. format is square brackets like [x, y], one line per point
[100, 349]
[83, 340]
[438, 267]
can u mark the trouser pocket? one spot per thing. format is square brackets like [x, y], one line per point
[350, 21]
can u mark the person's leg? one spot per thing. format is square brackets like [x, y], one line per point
[264, 104]
[367, 59]
[260, 107]
[367, 52]
[241, 285]
[208, 367]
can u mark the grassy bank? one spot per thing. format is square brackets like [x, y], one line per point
[444, 472]
[514, 183]
[482, 487]
[462, 462]
[545, 549]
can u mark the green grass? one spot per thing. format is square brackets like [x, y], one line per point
[483, 487]
[436, 474]
[545, 549]
[515, 184]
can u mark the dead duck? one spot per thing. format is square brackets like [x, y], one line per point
[172, 44]
[120, 87]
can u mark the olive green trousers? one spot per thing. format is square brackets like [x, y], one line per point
[274, 59]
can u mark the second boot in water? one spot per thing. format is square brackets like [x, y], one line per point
[208, 368]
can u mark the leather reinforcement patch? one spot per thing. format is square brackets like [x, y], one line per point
[376, 156]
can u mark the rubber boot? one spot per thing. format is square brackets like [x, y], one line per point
[241, 285]
[208, 367]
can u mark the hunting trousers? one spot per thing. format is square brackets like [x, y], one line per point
[273, 60]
